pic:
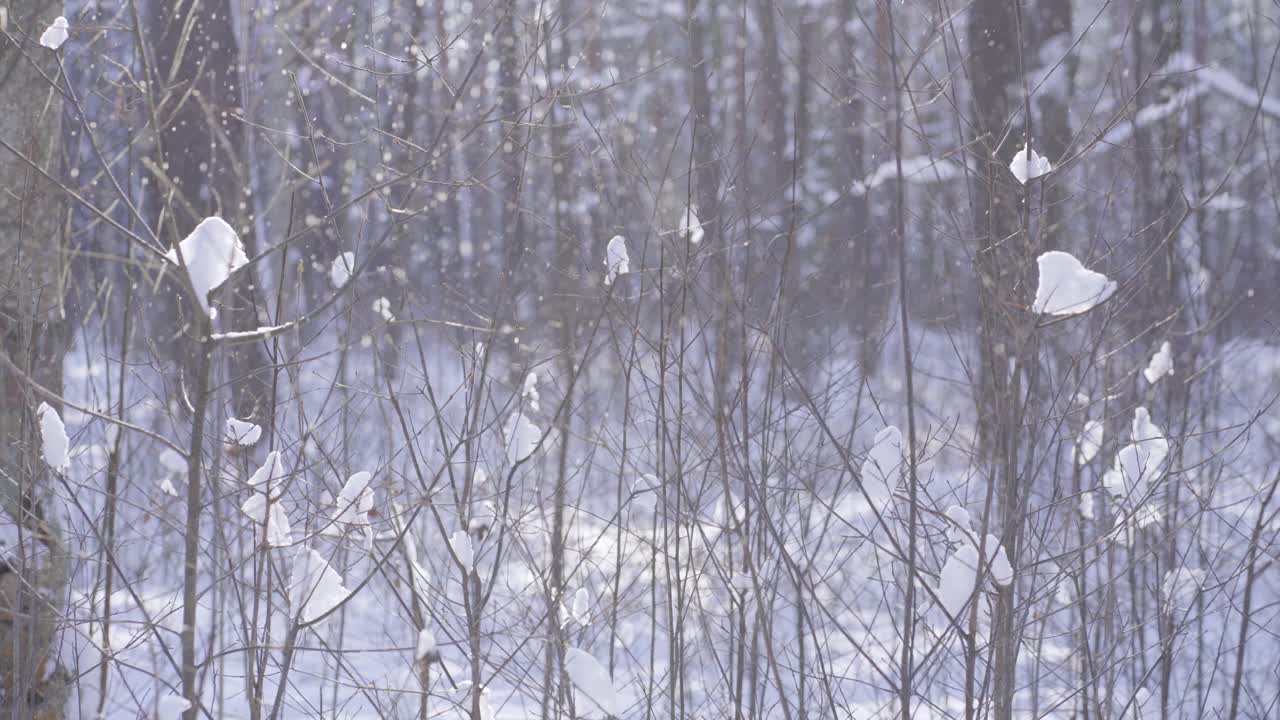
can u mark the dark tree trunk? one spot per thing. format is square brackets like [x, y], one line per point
[201, 155]
[33, 573]
[1052, 105]
[1004, 257]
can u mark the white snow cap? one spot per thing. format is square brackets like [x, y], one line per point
[998, 562]
[242, 432]
[171, 707]
[55, 34]
[958, 580]
[959, 577]
[382, 306]
[354, 501]
[212, 252]
[279, 530]
[617, 261]
[530, 391]
[55, 445]
[1086, 505]
[882, 467]
[263, 505]
[1028, 164]
[1161, 364]
[1067, 287]
[340, 271]
[522, 437]
[1090, 441]
[426, 644]
[268, 477]
[419, 576]
[691, 227]
[314, 587]
[961, 531]
[1137, 463]
[593, 684]
[581, 608]
[460, 541]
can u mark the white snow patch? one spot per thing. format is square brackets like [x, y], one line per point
[1137, 463]
[1028, 164]
[958, 580]
[419, 576]
[593, 684]
[340, 271]
[1067, 287]
[242, 432]
[460, 541]
[55, 34]
[1090, 441]
[268, 477]
[522, 437]
[882, 467]
[691, 227]
[382, 306]
[211, 252]
[580, 611]
[171, 707]
[959, 577]
[962, 531]
[426, 644]
[54, 443]
[1161, 364]
[279, 530]
[617, 261]
[314, 587]
[354, 501]
[530, 391]
[998, 561]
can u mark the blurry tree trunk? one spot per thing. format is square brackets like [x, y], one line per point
[772, 98]
[513, 144]
[1161, 167]
[33, 574]
[1051, 100]
[867, 295]
[1003, 259]
[202, 157]
[1163, 209]
[512, 153]
[565, 270]
[706, 165]
[313, 199]
[421, 260]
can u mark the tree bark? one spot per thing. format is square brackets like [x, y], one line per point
[202, 151]
[1052, 106]
[1003, 260]
[32, 337]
